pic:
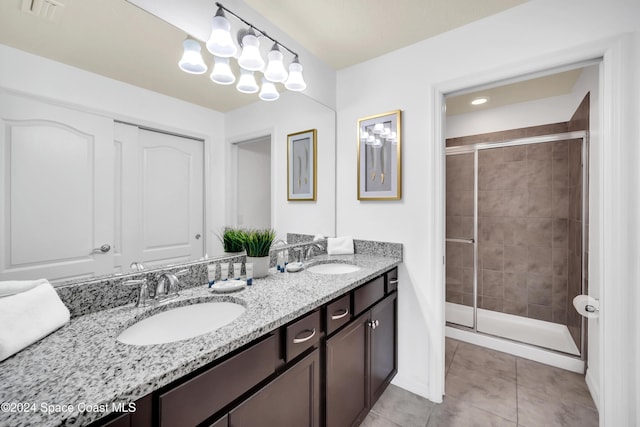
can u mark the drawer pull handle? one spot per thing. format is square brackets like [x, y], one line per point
[393, 281]
[307, 338]
[341, 315]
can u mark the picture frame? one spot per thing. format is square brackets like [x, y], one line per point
[380, 156]
[302, 165]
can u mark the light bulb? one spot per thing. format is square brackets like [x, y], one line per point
[250, 58]
[275, 71]
[191, 61]
[268, 91]
[221, 72]
[295, 81]
[247, 83]
[220, 42]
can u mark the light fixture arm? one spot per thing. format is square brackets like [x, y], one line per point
[263, 33]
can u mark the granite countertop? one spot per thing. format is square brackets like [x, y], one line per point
[73, 376]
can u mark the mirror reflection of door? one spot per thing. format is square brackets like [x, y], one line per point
[56, 187]
[159, 197]
[253, 169]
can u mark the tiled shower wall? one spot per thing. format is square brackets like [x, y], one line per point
[523, 230]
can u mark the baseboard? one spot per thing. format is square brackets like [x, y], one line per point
[594, 389]
[416, 387]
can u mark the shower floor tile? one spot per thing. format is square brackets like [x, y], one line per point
[485, 387]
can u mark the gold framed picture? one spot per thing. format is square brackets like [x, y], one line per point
[380, 157]
[301, 165]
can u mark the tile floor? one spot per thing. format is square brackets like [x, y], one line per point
[488, 388]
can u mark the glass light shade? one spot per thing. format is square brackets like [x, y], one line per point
[220, 42]
[221, 72]
[275, 71]
[250, 58]
[191, 61]
[377, 128]
[371, 140]
[295, 81]
[268, 91]
[377, 143]
[247, 83]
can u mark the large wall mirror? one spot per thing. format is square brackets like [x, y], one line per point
[87, 189]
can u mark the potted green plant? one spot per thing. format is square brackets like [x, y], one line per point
[232, 239]
[257, 244]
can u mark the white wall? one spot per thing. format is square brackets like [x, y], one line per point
[253, 173]
[525, 114]
[292, 113]
[59, 83]
[540, 33]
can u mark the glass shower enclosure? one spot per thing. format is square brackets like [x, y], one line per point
[515, 239]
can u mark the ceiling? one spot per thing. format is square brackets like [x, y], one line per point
[557, 84]
[118, 40]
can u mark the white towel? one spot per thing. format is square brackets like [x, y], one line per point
[29, 316]
[340, 245]
[13, 287]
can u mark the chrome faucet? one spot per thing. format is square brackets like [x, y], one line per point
[167, 286]
[143, 299]
[311, 248]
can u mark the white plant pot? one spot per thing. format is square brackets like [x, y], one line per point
[260, 266]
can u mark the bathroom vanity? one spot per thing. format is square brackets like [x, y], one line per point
[310, 350]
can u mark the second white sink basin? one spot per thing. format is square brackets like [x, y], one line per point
[181, 323]
[333, 268]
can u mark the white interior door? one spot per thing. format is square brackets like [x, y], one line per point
[161, 196]
[56, 186]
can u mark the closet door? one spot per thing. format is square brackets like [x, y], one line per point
[161, 196]
[56, 186]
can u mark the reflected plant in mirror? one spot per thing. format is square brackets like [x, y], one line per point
[232, 239]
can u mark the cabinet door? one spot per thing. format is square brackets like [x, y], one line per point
[56, 186]
[346, 378]
[383, 347]
[291, 400]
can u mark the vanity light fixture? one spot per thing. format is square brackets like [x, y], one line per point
[221, 45]
[480, 100]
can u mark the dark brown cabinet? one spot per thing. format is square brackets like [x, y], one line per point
[361, 360]
[346, 374]
[292, 399]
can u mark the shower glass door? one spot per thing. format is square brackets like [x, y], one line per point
[461, 253]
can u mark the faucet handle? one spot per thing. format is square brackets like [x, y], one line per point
[143, 297]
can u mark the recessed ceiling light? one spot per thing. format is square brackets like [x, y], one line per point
[480, 100]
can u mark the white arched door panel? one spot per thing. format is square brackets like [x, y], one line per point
[57, 191]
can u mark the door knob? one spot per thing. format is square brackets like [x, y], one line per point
[197, 236]
[104, 248]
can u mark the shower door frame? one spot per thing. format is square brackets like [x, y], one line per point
[474, 149]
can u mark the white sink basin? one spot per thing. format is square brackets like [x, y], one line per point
[333, 268]
[181, 323]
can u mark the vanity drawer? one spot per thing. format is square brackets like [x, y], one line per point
[338, 313]
[202, 396]
[392, 280]
[302, 334]
[366, 295]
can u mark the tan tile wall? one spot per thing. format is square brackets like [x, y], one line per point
[523, 230]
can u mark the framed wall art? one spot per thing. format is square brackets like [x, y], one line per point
[380, 157]
[301, 165]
